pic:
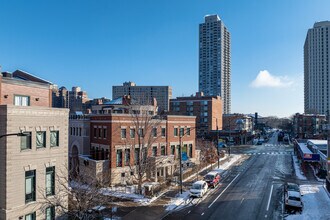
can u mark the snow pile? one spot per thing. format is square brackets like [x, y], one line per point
[228, 164]
[179, 200]
[297, 169]
[130, 196]
[316, 203]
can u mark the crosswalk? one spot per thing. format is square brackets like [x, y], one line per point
[276, 145]
[270, 153]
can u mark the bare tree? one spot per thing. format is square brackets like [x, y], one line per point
[79, 198]
[145, 133]
[208, 152]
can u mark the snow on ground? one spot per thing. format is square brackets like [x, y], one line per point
[179, 200]
[131, 196]
[228, 164]
[316, 204]
[297, 169]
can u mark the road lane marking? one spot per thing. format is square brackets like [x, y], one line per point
[270, 196]
[223, 191]
[189, 211]
[202, 213]
[242, 200]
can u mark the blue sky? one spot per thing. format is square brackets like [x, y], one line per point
[98, 44]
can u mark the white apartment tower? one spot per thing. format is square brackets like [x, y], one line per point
[316, 69]
[214, 60]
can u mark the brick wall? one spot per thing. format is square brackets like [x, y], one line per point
[40, 94]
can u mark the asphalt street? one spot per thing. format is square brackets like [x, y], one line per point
[251, 190]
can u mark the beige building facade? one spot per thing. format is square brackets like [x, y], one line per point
[30, 165]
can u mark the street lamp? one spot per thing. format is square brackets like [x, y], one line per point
[21, 134]
[180, 140]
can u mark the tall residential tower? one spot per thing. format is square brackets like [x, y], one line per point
[316, 69]
[214, 60]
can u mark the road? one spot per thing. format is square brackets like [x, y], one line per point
[252, 190]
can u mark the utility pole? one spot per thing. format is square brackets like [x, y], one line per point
[217, 146]
[180, 156]
[181, 175]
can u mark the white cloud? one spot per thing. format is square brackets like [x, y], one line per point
[265, 79]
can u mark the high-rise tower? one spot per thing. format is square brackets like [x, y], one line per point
[214, 60]
[316, 69]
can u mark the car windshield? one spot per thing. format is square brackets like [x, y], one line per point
[209, 177]
[293, 187]
[294, 198]
[196, 186]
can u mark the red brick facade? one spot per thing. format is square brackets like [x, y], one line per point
[207, 109]
[114, 123]
[39, 94]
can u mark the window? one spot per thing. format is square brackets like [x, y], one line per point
[50, 181]
[173, 149]
[95, 131]
[154, 132]
[123, 133]
[26, 141]
[30, 186]
[163, 132]
[50, 213]
[31, 216]
[175, 131]
[190, 150]
[119, 158]
[54, 138]
[70, 130]
[178, 151]
[127, 157]
[136, 155]
[188, 131]
[163, 151]
[104, 133]
[181, 132]
[79, 131]
[41, 139]
[140, 132]
[100, 133]
[132, 132]
[154, 151]
[21, 100]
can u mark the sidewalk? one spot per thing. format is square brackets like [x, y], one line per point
[161, 206]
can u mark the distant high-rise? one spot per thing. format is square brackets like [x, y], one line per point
[316, 69]
[145, 94]
[214, 60]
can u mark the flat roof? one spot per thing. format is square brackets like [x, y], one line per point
[318, 142]
[304, 148]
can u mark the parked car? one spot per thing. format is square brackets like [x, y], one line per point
[212, 179]
[292, 187]
[293, 200]
[198, 188]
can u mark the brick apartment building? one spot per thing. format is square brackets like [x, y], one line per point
[308, 125]
[145, 94]
[114, 144]
[30, 165]
[236, 121]
[207, 109]
[76, 100]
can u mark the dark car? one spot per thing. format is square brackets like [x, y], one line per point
[212, 179]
